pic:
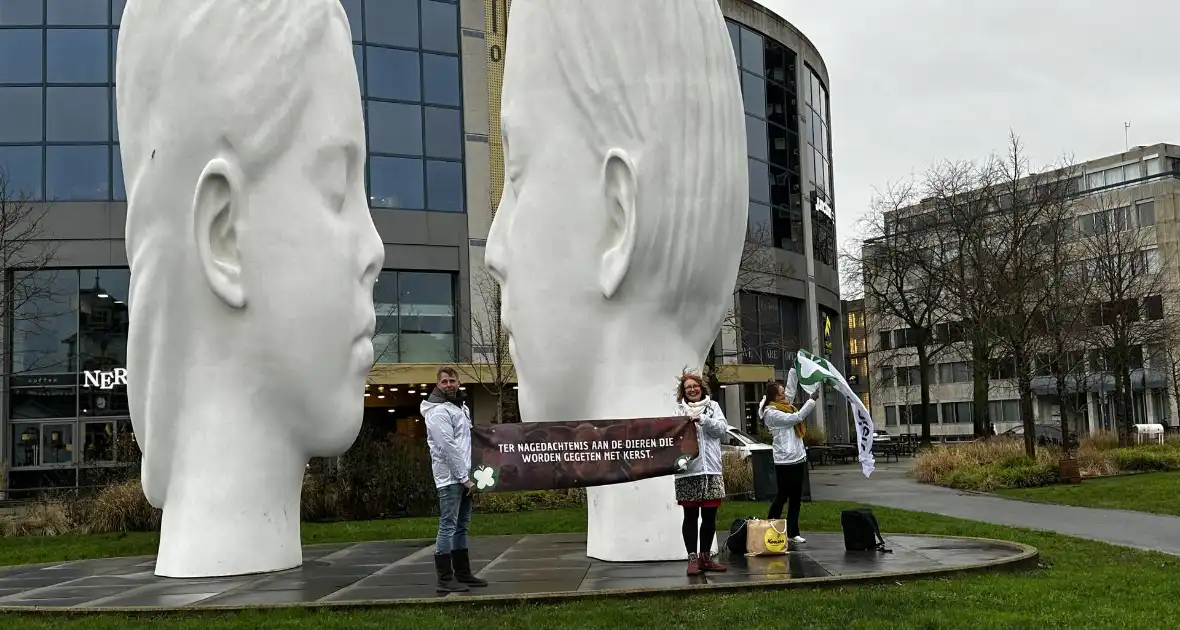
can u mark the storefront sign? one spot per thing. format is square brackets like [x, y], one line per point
[104, 379]
[558, 455]
[827, 335]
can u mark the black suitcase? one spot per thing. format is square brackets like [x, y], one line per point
[861, 531]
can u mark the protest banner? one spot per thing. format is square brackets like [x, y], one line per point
[560, 455]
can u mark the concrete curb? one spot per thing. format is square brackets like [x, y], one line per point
[1024, 557]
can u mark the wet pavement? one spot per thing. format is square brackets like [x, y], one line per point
[513, 565]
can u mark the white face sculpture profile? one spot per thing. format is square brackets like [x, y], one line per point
[253, 257]
[619, 234]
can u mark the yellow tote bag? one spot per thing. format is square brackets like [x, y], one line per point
[766, 538]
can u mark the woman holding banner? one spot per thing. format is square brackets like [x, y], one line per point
[790, 453]
[700, 489]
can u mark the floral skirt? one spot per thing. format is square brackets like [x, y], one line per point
[700, 491]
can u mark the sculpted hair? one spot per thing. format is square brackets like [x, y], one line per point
[196, 79]
[686, 135]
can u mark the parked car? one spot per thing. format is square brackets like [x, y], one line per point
[881, 436]
[1045, 434]
[742, 444]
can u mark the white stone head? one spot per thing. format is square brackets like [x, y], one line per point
[252, 251]
[619, 233]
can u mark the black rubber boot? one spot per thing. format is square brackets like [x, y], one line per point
[446, 577]
[462, 562]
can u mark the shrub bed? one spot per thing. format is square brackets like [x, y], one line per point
[380, 477]
[1000, 463]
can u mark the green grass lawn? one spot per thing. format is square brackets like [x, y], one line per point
[1148, 492]
[1081, 584]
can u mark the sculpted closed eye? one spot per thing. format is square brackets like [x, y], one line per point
[331, 174]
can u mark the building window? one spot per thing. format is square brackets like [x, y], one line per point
[415, 317]
[1154, 307]
[771, 329]
[394, 74]
[22, 114]
[767, 71]
[21, 51]
[957, 413]
[957, 372]
[891, 416]
[77, 173]
[857, 346]
[396, 183]
[1006, 411]
[45, 322]
[413, 89]
[1145, 211]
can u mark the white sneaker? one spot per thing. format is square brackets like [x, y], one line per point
[799, 539]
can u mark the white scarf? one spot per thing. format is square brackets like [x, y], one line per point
[695, 409]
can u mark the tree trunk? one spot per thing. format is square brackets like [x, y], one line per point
[979, 407]
[1065, 443]
[1024, 384]
[1122, 399]
[924, 386]
[711, 373]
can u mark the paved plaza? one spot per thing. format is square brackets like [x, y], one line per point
[517, 567]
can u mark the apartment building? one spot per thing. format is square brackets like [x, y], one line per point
[1135, 190]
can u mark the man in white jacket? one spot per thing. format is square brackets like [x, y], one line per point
[448, 433]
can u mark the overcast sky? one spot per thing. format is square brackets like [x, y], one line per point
[916, 81]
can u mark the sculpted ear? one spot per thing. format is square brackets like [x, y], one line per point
[619, 180]
[217, 211]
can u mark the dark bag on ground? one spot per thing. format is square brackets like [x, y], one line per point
[736, 542]
[861, 531]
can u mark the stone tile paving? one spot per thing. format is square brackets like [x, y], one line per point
[514, 566]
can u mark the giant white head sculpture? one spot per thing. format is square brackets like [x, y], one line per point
[619, 234]
[253, 258]
[620, 230]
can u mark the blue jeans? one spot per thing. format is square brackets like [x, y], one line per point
[454, 515]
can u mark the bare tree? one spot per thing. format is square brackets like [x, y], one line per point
[487, 360]
[900, 268]
[30, 293]
[1025, 201]
[1123, 265]
[960, 194]
[1064, 314]
[759, 271]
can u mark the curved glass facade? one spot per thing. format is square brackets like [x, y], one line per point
[59, 140]
[772, 134]
[407, 56]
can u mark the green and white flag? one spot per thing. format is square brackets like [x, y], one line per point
[814, 371]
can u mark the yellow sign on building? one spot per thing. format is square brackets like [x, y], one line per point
[496, 40]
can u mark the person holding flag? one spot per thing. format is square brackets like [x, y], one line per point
[790, 453]
[814, 371]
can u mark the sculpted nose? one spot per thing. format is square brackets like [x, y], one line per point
[372, 252]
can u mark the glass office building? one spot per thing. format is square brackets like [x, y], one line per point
[430, 73]
[65, 414]
[792, 205]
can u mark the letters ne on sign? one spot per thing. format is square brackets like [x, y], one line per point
[105, 380]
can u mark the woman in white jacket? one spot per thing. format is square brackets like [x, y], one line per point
[700, 489]
[790, 453]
